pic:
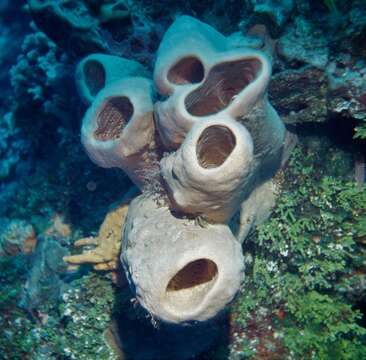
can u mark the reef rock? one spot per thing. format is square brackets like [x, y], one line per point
[68, 24]
[45, 281]
[271, 13]
[85, 27]
[300, 96]
[304, 44]
[347, 88]
[13, 26]
[310, 94]
[16, 236]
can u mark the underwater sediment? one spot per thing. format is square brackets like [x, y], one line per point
[177, 187]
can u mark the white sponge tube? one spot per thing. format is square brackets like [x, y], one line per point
[118, 129]
[180, 271]
[207, 176]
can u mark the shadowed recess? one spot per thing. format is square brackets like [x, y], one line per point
[224, 82]
[188, 70]
[214, 146]
[113, 117]
[190, 285]
[194, 273]
[95, 76]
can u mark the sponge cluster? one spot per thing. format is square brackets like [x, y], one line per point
[202, 142]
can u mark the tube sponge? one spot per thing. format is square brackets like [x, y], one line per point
[184, 44]
[180, 271]
[208, 174]
[118, 129]
[204, 75]
[96, 71]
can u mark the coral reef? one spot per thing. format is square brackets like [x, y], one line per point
[304, 44]
[42, 144]
[41, 78]
[315, 94]
[85, 310]
[73, 27]
[84, 27]
[303, 290]
[307, 99]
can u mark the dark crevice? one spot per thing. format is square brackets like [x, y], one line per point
[188, 70]
[95, 76]
[112, 118]
[193, 274]
[214, 146]
[223, 83]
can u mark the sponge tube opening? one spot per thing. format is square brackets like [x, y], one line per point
[214, 146]
[188, 70]
[95, 76]
[112, 118]
[224, 82]
[190, 285]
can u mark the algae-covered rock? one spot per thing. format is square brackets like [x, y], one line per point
[69, 24]
[45, 283]
[300, 96]
[16, 236]
[304, 44]
[271, 13]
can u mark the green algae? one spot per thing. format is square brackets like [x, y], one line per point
[304, 269]
[360, 130]
[74, 330]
